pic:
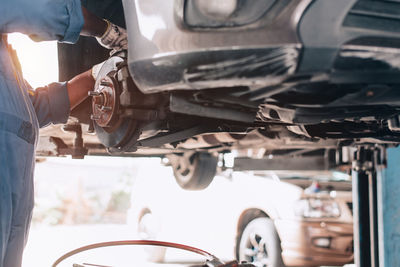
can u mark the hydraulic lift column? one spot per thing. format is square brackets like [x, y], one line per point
[376, 201]
[389, 210]
[368, 162]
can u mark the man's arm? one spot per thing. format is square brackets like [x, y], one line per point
[93, 25]
[61, 20]
[54, 102]
[78, 88]
[107, 34]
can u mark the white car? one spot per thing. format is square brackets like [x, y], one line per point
[269, 221]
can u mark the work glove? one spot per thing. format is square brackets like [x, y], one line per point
[96, 70]
[114, 38]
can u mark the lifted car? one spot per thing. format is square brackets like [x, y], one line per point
[205, 77]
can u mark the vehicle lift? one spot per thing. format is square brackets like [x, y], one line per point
[375, 173]
[376, 207]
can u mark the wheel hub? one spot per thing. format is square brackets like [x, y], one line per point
[257, 252]
[115, 130]
[105, 104]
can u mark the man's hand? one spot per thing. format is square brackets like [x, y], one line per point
[79, 86]
[107, 34]
[114, 38]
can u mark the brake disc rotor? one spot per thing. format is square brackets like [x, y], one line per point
[105, 102]
[113, 129]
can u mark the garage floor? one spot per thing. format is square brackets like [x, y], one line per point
[46, 244]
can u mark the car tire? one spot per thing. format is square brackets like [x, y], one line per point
[147, 230]
[259, 244]
[194, 170]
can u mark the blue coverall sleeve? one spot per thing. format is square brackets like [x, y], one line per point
[51, 104]
[60, 20]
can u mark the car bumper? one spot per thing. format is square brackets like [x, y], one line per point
[301, 36]
[299, 242]
[167, 54]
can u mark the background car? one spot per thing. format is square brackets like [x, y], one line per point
[270, 220]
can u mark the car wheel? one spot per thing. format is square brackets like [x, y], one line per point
[194, 170]
[147, 230]
[259, 244]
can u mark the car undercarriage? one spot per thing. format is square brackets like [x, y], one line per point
[301, 78]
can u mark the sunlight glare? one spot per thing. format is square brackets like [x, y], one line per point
[39, 60]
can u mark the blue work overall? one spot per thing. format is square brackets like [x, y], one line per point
[23, 111]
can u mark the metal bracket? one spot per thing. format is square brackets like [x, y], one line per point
[78, 151]
[173, 137]
[290, 161]
[369, 159]
[179, 104]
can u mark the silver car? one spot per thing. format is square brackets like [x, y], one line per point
[204, 77]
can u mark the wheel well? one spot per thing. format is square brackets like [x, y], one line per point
[244, 219]
[249, 215]
[143, 212]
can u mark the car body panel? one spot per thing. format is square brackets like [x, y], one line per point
[149, 28]
[297, 248]
[163, 49]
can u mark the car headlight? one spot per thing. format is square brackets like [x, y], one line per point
[317, 208]
[217, 9]
[225, 13]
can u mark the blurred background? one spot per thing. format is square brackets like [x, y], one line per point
[78, 202]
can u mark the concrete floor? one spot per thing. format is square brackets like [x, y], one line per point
[46, 244]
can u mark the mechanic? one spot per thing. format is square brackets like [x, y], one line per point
[23, 111]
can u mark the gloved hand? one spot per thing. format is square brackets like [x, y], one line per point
[114, 38]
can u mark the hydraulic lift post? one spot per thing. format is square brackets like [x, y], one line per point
[388, 185]
[376, 201]
[367, 163]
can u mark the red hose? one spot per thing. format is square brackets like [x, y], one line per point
[134, 242]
